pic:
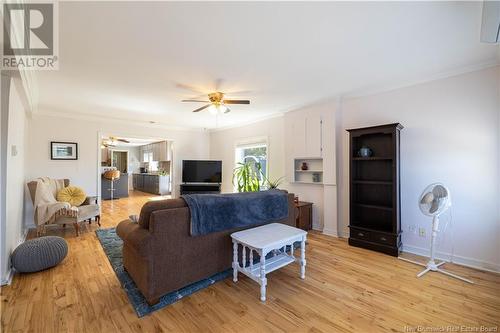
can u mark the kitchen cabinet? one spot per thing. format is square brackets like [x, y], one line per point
[313, 125]
[306, 134]
[298, 139]
[105, 156]
[157, 149]
[151, 183]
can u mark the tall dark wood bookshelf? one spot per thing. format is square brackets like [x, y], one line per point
[375, 189]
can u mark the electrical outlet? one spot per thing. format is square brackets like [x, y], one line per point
[421, 232]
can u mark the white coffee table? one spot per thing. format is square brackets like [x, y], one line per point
[276, 238]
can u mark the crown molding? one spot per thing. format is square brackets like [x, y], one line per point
[29, 82]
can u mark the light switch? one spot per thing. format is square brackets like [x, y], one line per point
[14, 150]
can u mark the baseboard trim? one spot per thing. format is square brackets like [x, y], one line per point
[459, 260]
[344, 234]
[10, 274]
[8, 279]
[330, 232]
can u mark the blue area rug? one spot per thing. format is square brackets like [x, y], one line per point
[112, 245]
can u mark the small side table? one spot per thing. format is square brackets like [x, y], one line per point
[275, 238]
[93, 200]
[303, 218]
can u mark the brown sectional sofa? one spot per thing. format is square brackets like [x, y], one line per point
[161, 256]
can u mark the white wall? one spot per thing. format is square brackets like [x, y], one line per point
[451, 135]
[13, 185]
[84, 171]
[223, 144]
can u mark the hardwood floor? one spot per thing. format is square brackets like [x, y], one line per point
[346, 289]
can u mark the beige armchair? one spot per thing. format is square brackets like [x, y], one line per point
[86, 212]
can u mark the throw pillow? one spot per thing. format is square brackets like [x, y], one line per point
[75, 196]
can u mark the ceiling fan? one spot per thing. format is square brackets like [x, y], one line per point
[112, 141]
[217, 103]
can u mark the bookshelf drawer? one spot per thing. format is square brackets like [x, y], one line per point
[360, 234]
[383, 238]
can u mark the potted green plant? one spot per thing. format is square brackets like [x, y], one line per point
[273, 184]
[246, 176]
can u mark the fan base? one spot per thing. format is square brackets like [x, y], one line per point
[431, 266]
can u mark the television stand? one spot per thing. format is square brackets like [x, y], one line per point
[187, 188]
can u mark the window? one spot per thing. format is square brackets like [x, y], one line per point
[253, 153]
[147, 156]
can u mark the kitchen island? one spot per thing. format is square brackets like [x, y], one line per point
[151, 183]
[120, 187]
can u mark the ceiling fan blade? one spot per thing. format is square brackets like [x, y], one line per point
[123, 140]
[188, 87]
[194, 100]
[236, 101]
[227, 110]
[202, 108]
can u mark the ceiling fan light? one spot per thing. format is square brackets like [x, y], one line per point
[222, 108]
[213, 109]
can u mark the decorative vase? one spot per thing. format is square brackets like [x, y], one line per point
[365, 152]
[304, 166]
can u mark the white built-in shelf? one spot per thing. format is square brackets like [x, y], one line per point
[308, 158]
[303, 182]
[314, 170]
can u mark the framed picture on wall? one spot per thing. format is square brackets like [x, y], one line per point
[63, 150]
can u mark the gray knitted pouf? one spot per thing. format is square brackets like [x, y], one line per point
[38, 254]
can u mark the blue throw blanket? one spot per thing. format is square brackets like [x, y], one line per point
[218, 212]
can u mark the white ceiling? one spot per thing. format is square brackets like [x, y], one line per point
[130, 60]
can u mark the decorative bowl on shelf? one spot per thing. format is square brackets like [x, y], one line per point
[365, 152]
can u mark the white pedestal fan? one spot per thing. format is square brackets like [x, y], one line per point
[434, 201]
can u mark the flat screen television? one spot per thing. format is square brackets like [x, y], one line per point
[201, 171]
